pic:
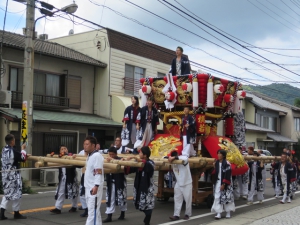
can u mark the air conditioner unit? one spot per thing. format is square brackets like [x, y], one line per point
[5, 99]
[48, 176]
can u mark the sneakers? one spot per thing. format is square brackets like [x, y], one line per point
[249, 203]
[174, 218]
[186, 217]
[55, 211]
[245, 197]
[218, 216]
[276, 196]
[289, 200]
[282, 202]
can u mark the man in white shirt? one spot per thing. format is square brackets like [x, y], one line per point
[93, 180]
[183, 187]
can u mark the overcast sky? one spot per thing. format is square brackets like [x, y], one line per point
[261, 23]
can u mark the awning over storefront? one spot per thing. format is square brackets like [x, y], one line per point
[119, 104]
[61, 117]
[280, 138]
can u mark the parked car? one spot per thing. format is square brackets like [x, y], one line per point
[267, 153]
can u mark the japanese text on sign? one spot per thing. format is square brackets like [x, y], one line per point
[24, 131]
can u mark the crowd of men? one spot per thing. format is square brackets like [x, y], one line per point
[227, 188]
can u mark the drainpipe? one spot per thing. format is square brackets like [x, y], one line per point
[72, 131]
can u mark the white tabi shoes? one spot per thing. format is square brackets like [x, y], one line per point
[228, 215]
[218, 216]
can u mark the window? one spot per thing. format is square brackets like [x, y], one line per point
[16, 79]
[43, 83]
[161, 74]
[266, 122]
[132, 79]
[257, 119]
[297, 124]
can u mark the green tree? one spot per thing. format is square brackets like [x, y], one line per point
[297, 102]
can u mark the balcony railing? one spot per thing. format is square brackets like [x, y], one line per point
[41, 101]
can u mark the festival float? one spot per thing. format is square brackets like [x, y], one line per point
[213, 101]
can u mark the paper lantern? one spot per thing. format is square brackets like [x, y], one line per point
[187, 87]
[241, 94]
[228, 98]
[170, 96]
[210, 94]
[146, 89]
[237, 107]
[195, 93]
[200, 124]
[218, 89]
[229, 126]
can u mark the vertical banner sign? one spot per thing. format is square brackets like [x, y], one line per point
[24, 128]
[200, 124]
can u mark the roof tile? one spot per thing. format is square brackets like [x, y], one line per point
[49, 48]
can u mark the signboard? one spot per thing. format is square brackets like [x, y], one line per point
[24, 124]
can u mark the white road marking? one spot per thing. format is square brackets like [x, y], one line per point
[208, 214]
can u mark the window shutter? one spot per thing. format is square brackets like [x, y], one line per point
[74, 92]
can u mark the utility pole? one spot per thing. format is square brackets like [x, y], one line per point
[26, 124]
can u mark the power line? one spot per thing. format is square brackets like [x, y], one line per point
[138, 22]
[231, 39]
[204, 39]
[256, 63]
[272, 16]
[283, 11]
[289, 7]
[295, 3]
[276, 14]
[198, 65]
[195, 15]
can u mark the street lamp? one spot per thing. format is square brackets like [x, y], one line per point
[27, 106]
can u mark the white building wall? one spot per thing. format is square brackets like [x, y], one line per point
[117, 72]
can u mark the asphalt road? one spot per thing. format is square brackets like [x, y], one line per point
[37, 206]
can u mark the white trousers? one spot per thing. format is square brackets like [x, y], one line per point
[260, 194]
[148, 133]
[90, 200]
[277, 188]
[133, 133]
[217, 207]
[112, 208]
[61, 196]
[242, 189]
[183, 193]
[82, 199]
[15, 203]
[188, 149]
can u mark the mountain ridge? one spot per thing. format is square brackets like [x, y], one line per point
[286, 92]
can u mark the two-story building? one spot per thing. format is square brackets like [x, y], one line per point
[63, 96]
[128, 59]
[264, 124]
